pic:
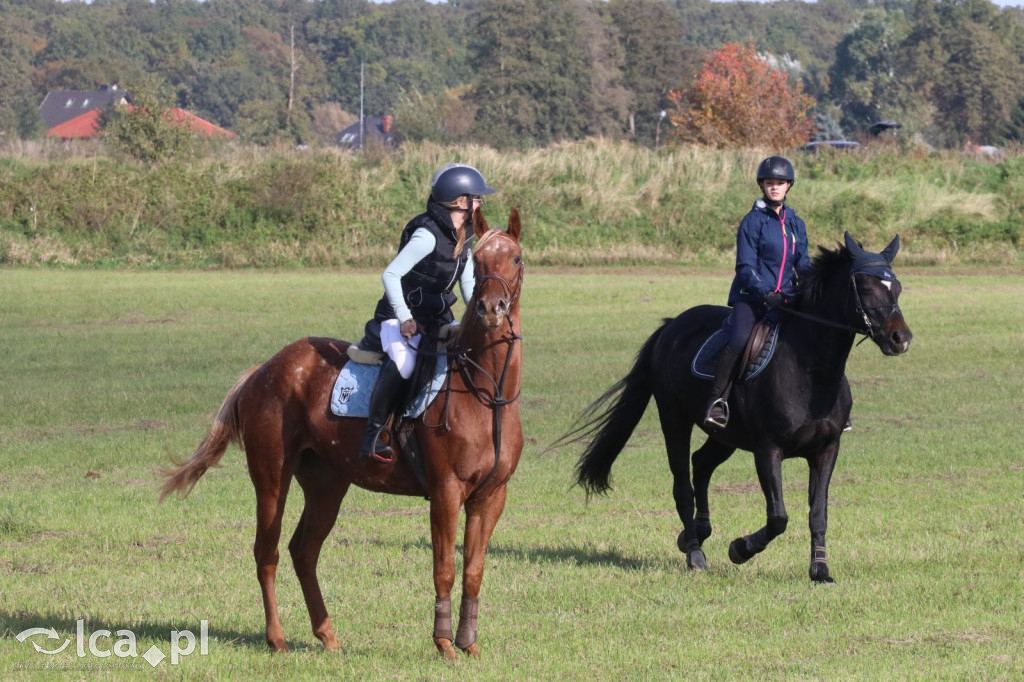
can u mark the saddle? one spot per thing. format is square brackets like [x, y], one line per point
[355, 384]
[758, 352]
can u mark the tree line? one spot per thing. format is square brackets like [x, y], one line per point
[521, 73]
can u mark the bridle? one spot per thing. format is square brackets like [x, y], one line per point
[496, 400]
[862, 311]
[869, 330]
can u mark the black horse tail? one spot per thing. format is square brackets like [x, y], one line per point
[612, 417]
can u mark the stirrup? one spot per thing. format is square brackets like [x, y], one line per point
[381, 451]
[723, 421]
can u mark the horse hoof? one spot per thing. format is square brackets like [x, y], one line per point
[446, 648]
[281, 648]
[735, 555]
[472, 651]
[821, 575]
[696, 561]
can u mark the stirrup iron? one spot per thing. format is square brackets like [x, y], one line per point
[723, 421]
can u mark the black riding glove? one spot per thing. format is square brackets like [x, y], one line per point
[773, 299]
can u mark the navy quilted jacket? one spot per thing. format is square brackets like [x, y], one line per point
[771, 253]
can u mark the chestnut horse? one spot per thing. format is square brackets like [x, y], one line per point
[470, 438]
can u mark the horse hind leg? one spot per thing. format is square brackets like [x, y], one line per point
[269, 512]
[706, 459]
[323, 496]
[677, 444]
[271, 472]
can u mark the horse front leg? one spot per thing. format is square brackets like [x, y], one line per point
[820, 476]
[444, 522]
[482, 514]
[769, 474]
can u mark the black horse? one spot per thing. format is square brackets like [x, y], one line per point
[796, 407]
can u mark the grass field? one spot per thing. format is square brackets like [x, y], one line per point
[107, 375]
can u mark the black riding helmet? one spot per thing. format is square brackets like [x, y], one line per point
[455, 179]
[776, 168]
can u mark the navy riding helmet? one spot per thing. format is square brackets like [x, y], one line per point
[776, 168]
[453, 180]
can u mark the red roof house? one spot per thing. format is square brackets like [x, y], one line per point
[74, 114]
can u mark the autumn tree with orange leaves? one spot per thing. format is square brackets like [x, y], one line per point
[739, 100]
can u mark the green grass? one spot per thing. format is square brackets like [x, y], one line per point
[107, 375]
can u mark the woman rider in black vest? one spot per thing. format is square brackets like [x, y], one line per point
[433, 254]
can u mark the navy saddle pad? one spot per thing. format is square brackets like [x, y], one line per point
[706, 359]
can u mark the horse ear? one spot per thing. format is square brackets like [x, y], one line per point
[514, 226]
[890, 251]
[479, 224]
[852, 246]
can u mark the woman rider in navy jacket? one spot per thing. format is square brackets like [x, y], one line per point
[771, 254]
[434, 253]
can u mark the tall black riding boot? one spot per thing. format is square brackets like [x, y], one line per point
[383, 402]
[717, 416]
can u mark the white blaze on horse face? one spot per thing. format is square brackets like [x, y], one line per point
[887, 284]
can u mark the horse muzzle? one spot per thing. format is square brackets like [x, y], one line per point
[895, 336]
[493, 310]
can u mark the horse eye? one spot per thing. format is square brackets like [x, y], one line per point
[517, 260]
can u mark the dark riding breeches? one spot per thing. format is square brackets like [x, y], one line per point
[739, 325]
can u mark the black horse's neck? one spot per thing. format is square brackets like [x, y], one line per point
[821, 333]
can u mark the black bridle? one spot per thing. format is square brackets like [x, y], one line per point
[862, 311]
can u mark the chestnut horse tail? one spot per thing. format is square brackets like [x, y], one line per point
[226, 429]
[613, 417]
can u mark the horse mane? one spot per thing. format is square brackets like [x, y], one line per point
[824, 266]
[487, 236]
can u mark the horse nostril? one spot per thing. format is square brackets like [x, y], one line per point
[481, 308]
[900, 337]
